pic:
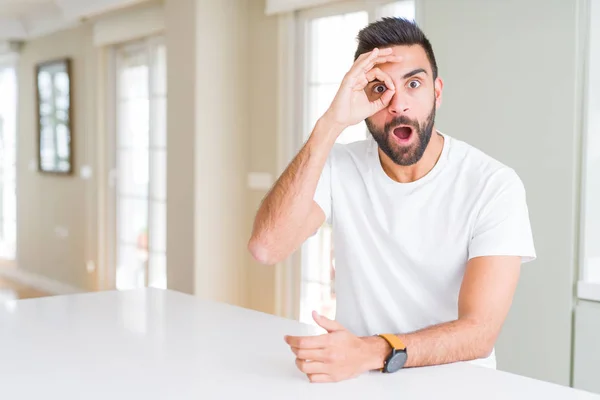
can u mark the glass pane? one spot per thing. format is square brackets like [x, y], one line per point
[61, 81]
[159, 174]
[45, 84]
[133, 80]
[9, 200]
[8, 208]
[141, 140]
[62, 102]
[133, 221]
[45, 109]
[157, 270]
[134, 123]
[319, 99]
[333, 43]
[317, 254]
[316, 297]
[8, 242]
[159, 122]
[62, 141]
[405, 9]
[131, 267]
[133, 170]
[62, 116]
[158, 227]
[354, 133]
[47, 140]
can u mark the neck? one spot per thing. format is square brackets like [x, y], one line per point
[411, 173]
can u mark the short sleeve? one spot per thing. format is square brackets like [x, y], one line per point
[502, 226]
[323, 192]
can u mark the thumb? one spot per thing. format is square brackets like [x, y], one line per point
[383, 101]
[326, 323]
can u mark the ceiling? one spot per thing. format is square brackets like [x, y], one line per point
[26, 19]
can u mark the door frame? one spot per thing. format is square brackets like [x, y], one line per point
[108, 240]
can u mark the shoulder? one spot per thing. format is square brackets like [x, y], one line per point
[355, 153]
[481, 169]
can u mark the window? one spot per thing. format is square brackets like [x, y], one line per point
[589, 286]
[140, 165]
[330, 42]
[8, 203]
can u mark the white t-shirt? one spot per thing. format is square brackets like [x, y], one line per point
[401, 248]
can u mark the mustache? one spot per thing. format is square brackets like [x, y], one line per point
[401, 120]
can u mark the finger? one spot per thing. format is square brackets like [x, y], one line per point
[383, 101]
[375, 52]
[311, 367]
[357, 75]
[381, 76]
[383, 60]
[319, 378]
[308, 342]
[310, 354]
[326, 323]
[361, 64]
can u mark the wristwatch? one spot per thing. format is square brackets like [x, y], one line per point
[397, 358]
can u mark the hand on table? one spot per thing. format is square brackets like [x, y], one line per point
[335, 356]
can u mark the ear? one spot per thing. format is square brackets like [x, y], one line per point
[438, 87]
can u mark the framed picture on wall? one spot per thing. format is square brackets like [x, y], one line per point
[54, 116]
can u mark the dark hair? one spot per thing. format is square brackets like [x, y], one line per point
[391, 31]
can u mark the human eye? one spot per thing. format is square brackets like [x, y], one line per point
[414, 84]
[379, 88]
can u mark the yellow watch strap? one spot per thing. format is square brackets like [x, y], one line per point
[394, 341]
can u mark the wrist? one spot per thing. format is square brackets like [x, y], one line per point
[328, 123]
[377, 350]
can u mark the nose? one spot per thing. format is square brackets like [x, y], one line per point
[399, 104]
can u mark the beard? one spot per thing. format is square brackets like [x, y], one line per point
[404, 155]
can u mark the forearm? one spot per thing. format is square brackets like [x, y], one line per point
[460, 340]
[284, 211]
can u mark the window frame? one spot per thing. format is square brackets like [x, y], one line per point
[11, 60]
[113, 242]
[587, 289]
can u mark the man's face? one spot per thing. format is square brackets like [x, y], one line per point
[403, 129]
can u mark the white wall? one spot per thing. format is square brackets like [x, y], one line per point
[586, 365]
[511, 73]
[56, 215]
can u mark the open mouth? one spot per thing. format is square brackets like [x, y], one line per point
[403, 133]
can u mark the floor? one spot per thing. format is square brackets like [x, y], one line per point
[10, 290]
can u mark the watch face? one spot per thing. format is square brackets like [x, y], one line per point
[396, 362]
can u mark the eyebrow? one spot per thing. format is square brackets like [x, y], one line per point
[406, 76]
[414, 72]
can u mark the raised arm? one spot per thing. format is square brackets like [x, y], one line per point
[288, 214]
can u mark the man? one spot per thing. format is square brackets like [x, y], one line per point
[429, 232]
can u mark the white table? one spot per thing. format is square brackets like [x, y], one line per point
[153, 344]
